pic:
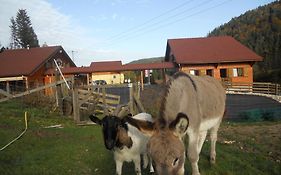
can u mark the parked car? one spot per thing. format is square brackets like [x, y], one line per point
[99, 82]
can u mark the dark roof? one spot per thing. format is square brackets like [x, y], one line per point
[113, 66]
[25, 62]
[106, 66]
[209, 50]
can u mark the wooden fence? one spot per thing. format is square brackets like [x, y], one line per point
[7, 95]
[256, 87]
[95, 99]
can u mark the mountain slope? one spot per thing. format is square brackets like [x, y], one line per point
[260, 30]
[148, 60]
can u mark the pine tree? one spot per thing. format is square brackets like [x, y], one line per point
[14, 41]
[22, 32]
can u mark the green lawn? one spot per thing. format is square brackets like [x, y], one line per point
[79, 149]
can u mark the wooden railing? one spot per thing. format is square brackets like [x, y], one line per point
[256, 87]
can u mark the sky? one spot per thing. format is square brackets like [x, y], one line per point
[126, 30]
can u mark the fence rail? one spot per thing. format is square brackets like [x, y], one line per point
[104, 99]
[6, 95]
[256, 87]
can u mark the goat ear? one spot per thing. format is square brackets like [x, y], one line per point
[180, 124]
[95, 119]
[146, 127]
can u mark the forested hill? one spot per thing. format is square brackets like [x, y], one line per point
[148, 60]
[260, 30]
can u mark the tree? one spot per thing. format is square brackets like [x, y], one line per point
[14, 41]
[22, 33]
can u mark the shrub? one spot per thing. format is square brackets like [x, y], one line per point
[39, 100]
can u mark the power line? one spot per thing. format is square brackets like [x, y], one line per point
[140, 28]
[172, 22]
[152, 19]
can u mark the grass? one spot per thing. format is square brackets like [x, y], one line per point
[79, 149]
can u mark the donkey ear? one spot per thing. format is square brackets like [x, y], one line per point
[95, 119]
[180, 124]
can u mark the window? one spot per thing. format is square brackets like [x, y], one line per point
[194, 72]
[209, 72]
[238, 72]
[223, 73]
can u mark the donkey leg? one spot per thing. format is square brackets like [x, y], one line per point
[145, 159]
[151, 169]
[137, 162]
[202, 137]
[119, 165]
[193, 153]
[213, 137]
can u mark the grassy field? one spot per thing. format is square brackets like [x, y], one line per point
[256, 147]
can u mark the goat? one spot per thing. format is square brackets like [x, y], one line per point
[192, 105]
[125, 140]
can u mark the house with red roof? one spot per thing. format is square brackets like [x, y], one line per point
[222, 57]
[109, 71]
[27, 67]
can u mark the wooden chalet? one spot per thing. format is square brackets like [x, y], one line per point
[27, 68]
[221, 57]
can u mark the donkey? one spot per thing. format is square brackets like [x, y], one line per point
[192, 105]
[125, 140]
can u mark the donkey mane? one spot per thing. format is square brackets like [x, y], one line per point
[162, 122]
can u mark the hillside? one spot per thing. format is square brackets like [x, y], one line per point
[148, 60]
[260, 30]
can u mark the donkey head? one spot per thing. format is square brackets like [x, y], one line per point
[115, 131]
[165, 145]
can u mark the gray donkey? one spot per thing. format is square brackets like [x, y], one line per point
[192, 105]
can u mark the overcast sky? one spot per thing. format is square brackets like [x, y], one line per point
[126, 30]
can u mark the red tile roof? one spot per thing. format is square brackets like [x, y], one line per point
[106, 66]
[209, 50]
[113, 66]
[25, 62]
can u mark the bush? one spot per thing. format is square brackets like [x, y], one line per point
[39, 100]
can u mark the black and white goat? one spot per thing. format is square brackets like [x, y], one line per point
[127, 142]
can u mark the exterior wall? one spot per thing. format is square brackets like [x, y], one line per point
[36, 79]
[247, 68]
[109, 77]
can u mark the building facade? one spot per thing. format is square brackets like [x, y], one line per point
[221, 57]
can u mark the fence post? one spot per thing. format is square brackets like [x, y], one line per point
[131, 103]
[8, 87]
[76, 107]
[105, 110]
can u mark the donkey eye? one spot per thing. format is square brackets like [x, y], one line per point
[176, 162]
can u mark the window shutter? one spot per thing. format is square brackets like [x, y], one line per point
[246, 71]
[230, 72]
